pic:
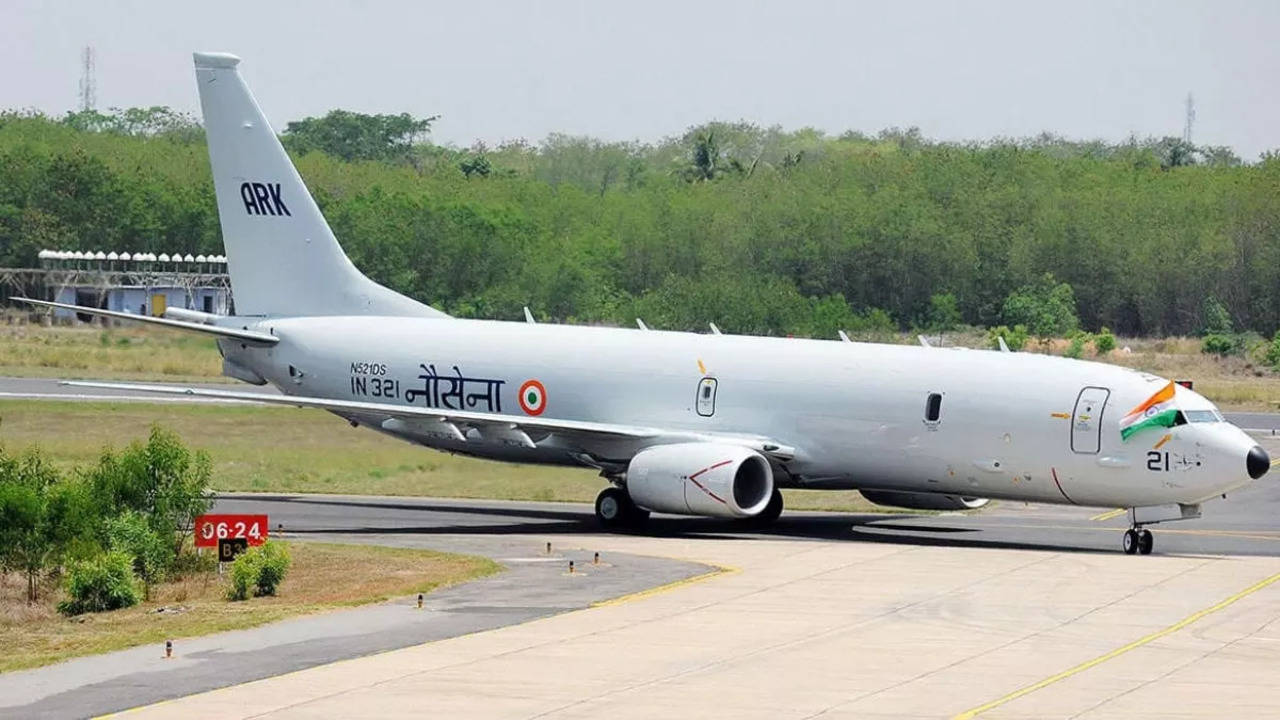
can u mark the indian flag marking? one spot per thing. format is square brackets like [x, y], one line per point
[1156, 411]
[532, 397]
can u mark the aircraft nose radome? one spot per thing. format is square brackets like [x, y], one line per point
[1258, 462]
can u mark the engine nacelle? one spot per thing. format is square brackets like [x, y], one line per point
[701, 479]
[923, 501]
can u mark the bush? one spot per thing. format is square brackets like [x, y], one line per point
[103, 583]
[1047, 308]
[1104, 341]
[151, 554]
[1220, 345]
[1217, 321]
[260, 570]
[1016, 338]
[1075, 350]
[1272, 357]
[944, 313]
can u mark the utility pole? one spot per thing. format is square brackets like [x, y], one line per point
[88, 85]
[1191, 119]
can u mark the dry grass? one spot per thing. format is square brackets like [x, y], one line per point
[272, 449]
[322, 577]
[124, 353]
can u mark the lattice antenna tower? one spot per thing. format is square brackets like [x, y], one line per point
[88, 85]
[1191, 119]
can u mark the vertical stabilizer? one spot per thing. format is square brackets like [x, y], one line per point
[281, 254]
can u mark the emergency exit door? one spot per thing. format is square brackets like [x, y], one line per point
[706, 399]
[1086, 420]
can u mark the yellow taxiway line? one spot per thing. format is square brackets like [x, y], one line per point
[1108, 514]
[974, 712]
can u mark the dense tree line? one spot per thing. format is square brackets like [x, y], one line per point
[756, 229]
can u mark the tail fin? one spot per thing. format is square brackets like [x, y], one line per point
[281, 254]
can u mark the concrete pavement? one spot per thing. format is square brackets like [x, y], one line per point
[808, 629]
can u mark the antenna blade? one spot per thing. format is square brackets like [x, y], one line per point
[715, 330]
[923, 341]
[844, 337]
[1004, 347]
[640, 324]
[528, 316]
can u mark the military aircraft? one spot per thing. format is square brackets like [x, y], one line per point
[695, 424]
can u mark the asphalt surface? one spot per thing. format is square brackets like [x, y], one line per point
[534, 584]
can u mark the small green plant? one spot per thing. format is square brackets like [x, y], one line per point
[1104, 342]
[1075, 350]
[1272, 356]
[259, 571]
[1016, 338]
[1220, 345]
[152, 555]
[103, 583]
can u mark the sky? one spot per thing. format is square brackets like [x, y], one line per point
[497, 71]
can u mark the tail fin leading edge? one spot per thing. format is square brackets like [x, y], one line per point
[283, 258]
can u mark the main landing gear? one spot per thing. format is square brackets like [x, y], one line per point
[1138, 540]
[615, 510]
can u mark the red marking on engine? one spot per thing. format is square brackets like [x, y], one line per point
[693, 479]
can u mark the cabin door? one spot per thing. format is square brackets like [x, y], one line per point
[1086, 420]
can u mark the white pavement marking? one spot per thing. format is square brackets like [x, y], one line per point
[836, 630]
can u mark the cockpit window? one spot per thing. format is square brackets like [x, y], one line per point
[1202, 416]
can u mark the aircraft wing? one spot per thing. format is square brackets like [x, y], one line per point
[514, 427]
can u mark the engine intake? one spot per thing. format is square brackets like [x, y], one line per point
[707, 479]
[923, 501]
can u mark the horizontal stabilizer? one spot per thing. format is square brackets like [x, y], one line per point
[248, 336]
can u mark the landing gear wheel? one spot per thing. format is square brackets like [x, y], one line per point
[1146, 541]
[1130, 541]
[615, 510]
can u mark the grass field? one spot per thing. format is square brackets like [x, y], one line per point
[274, 449]
[124, 353]
[322, 577]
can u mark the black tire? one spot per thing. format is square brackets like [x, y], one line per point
[1146, 542]
[615, 510]
[1130, 542]
[612, 506]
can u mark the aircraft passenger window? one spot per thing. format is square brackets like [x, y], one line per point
[933, 408]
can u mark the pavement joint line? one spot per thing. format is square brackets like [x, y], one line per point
[1017, 640]
[1144, 640]
[1108, 514]
[1247, 534]
[793, 641]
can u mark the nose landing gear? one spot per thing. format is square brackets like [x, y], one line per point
[1139, 540]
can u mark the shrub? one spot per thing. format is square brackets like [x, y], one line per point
[151, 554]
[1220, 345]
[1104, 341]
[944, 312]
[1217, 321]
[259, 571]
[1272, 356]
[1075, 350]
[1047, 308]
[1016, 338]
[103, 583]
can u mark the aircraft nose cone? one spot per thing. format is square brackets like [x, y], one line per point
[1258, 462]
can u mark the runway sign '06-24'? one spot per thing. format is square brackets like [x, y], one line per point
[209, 529]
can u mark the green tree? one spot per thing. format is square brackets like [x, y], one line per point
[354, 136]
[1047, 308]
[42, 517]
[162, 480]
[944, 312]
[151, 554]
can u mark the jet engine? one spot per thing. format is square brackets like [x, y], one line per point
[707, 479]
[923, 501]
